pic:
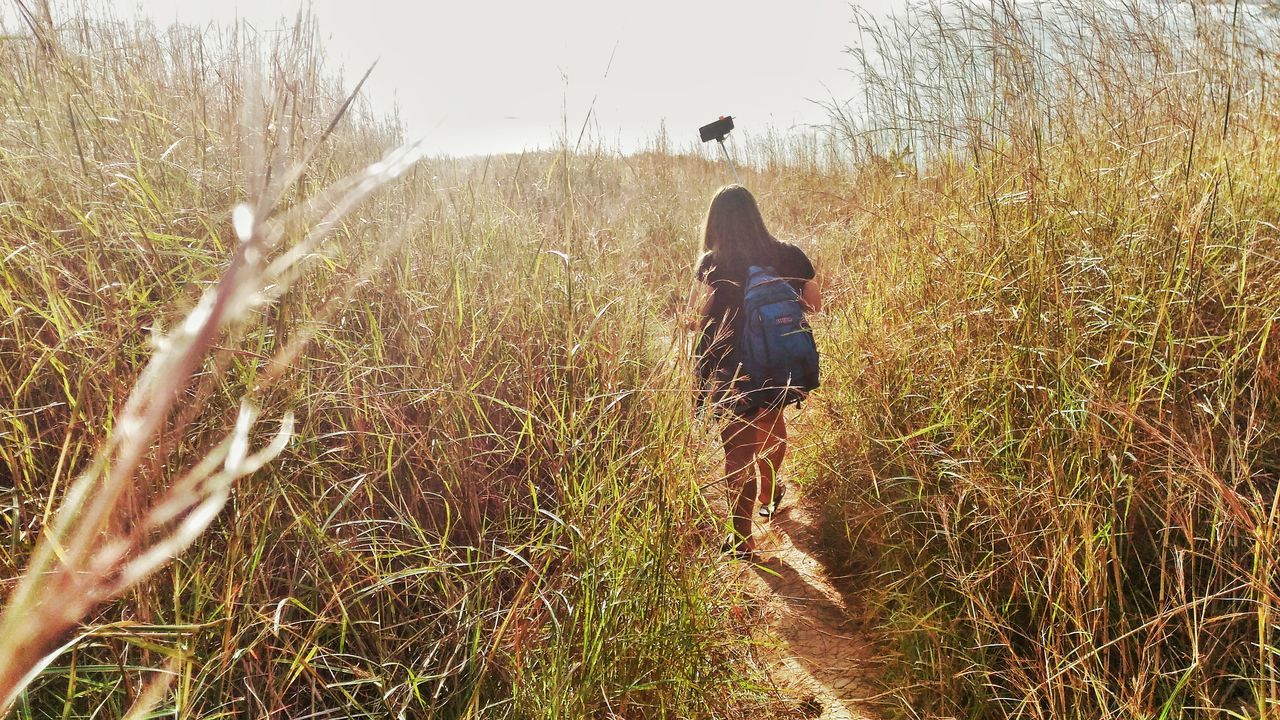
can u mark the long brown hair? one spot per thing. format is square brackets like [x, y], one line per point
[734, 232]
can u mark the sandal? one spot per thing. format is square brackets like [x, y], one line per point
[769, 509]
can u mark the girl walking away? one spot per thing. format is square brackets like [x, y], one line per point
[755, 354]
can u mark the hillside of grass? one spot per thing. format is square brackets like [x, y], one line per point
[1046, 451]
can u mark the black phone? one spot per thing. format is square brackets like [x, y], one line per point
[716, 130]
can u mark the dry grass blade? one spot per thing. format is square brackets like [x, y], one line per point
[98, 546]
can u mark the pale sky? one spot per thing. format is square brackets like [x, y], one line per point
[487, 77]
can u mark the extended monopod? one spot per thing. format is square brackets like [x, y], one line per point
[717, 131]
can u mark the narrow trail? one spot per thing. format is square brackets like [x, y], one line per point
[825, 653]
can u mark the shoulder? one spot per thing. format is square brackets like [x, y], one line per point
[793, 262]
[791, 251]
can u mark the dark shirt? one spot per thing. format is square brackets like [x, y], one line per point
[722, 325]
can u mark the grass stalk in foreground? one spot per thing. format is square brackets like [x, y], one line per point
[111, 530]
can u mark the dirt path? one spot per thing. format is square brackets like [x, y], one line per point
[824, 653]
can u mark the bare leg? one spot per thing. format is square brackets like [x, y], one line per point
[773, 431]
[741, 443]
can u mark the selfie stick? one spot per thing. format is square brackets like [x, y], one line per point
[717, 131]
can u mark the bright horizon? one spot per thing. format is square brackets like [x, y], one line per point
[479, 79]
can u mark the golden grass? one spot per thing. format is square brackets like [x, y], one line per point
[1051, 440]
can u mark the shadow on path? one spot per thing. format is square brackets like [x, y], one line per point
[826, 651]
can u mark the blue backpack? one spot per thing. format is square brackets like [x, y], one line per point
[776, 348]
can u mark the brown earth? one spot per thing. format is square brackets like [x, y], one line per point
[822, 654]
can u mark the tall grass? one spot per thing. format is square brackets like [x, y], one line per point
[491, 502]
[1047, 437]
[1051, 435]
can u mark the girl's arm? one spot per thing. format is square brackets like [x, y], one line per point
[811, 295]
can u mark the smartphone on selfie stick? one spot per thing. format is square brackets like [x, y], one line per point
[717, 131]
